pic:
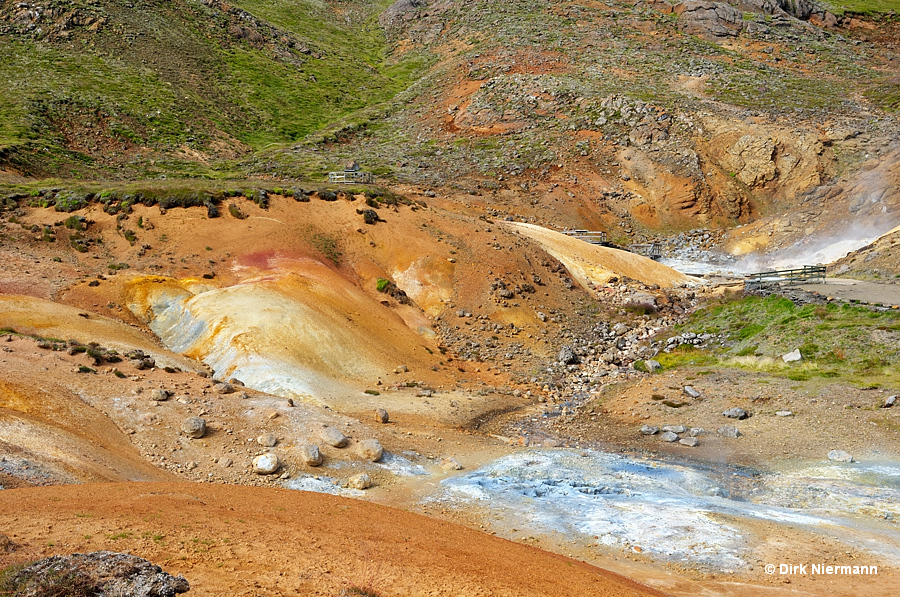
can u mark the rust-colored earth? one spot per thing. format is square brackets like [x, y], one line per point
[231, 540]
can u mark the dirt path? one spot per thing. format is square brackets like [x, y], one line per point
[229, 540]
[858, 290]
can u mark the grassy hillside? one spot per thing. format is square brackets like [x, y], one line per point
[184, 76]
[117, 89]
[848, 342]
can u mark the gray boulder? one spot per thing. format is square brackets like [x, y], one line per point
[652, 366]
[674, 428]
[333, 437]
[839, 456]
[223, 388]
[370, 449]
[649, 429]
[792, 357]
[690, 391]
[689, 442]
[451, 464]
[728, 431]
[567, 356]
[158, 395]
[267, 440]
[889, 402]
[736, 413]
[266, 464]
[382, 415]
[103, 573]
[361, 481]
[310, 455]
[668, 436]
[194, 427]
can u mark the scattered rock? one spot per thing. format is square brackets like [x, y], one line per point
[333, 437]
[223, 388]
[649, 430]
[381, 415]
[451, 464]
[784, 413]
[889, 402]
[690, 391]
[159, 395]
[840, 456]
[370, 449]
[736, 413]
[102, 573]
[361, 481]
[194, 427]
[567, 356]
[689, 441]
[793, 356]
[695, 431]
[267, 440]
[728, 431]
[266, 464]
[668, 436]
[550, 443]
[402, 369]
[310, 455]
[236, 382]
[652, 366]
[674, 428]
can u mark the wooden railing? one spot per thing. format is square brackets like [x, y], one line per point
[803, 274]
[588, 236]
[351, 177]
[651, 250]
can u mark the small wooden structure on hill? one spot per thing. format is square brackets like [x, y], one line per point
[351, 174]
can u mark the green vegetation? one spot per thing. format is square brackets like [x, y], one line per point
[53, 584]
[328, 245]
[382, 284]
[862, 7]
[847, 342]
[181, 72]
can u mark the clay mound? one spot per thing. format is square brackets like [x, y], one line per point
[303, 331]
[37, 317]
[229, 540]
[598, 265]
[50, 435]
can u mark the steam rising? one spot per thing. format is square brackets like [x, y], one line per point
[872, 203]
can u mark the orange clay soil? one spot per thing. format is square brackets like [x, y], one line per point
[229, 540]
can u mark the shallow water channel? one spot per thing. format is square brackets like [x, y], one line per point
[682, 511]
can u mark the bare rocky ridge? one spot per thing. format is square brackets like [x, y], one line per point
[100, 573]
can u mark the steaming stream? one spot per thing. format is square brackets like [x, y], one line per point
[681, 512]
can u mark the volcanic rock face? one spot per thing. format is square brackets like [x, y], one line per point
[710, 20]
[101, 573]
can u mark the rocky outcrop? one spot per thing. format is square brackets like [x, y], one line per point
[751, 161]
[710, 20]
[400, 12]
[101, 573]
